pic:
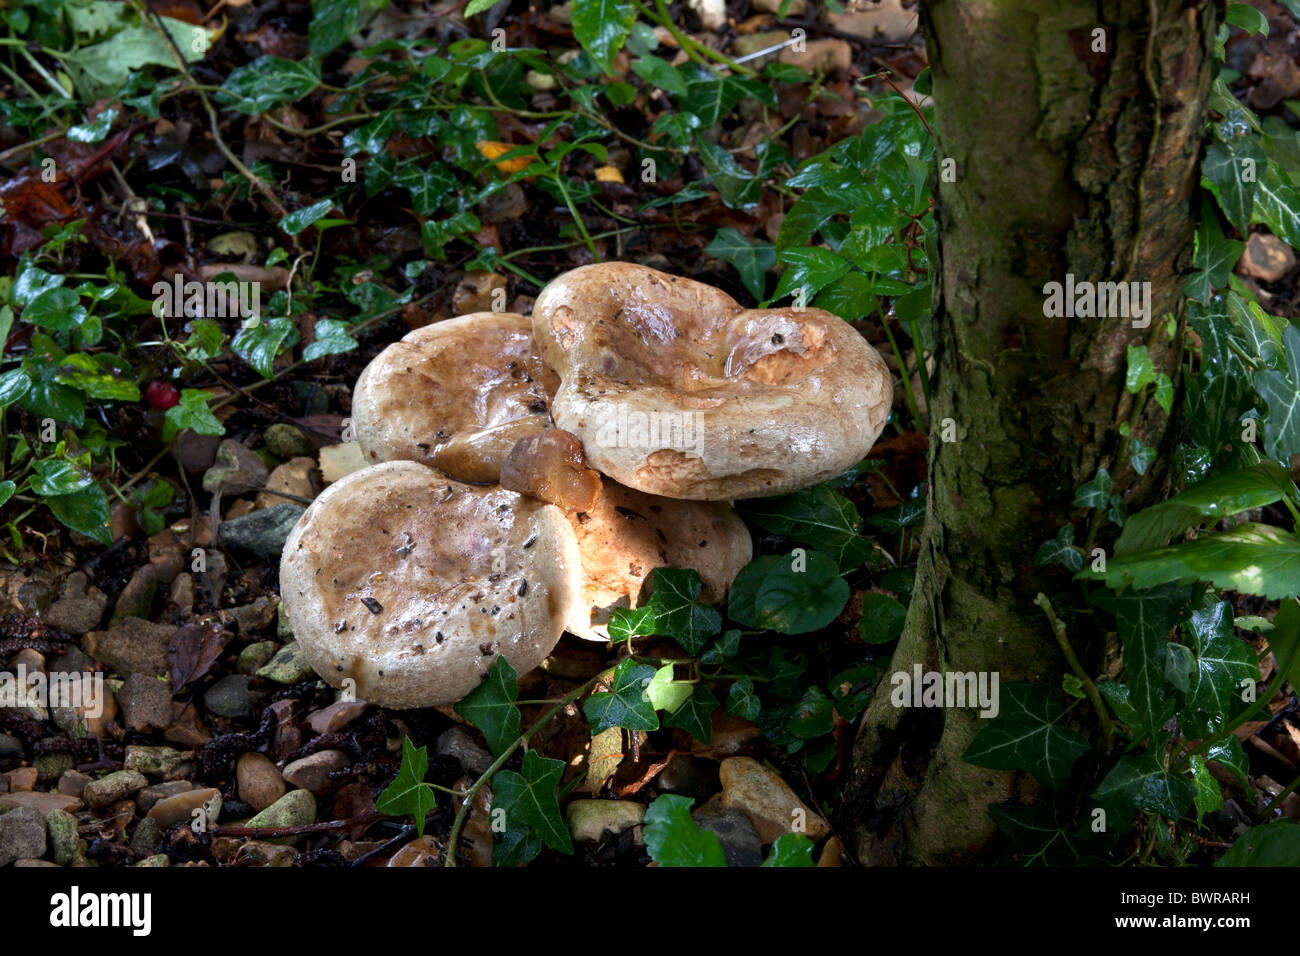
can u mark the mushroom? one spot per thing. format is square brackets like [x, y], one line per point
[411, 584]
[675, 390]
[457, 394]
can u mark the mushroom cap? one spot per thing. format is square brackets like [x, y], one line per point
[411, 584]
[629, 533]
[676, 390]
[464, 374]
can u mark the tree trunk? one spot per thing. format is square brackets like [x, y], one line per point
[1064, 164]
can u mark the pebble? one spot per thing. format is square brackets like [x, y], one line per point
[185, 729]
[22, 835]
[795, 9]
[818, 55]
[292, 478]
[150, 795]
[712, 13]
[195, 452]
[260, 781]
[157, 761]
[158, 859]
[336, 716]
[1267, 258]
[690, 776]
[589, 819]
[460, 743]
[254, 657]
[132, 646]
[61, 834]
[146, 703]
[753, 42]
[422, 851]
[336, 461]
[137, 598]
[30, 660]
[313, 772]
[730, 735]
[166, 557]
[229, 696]
[296, 808]
[740, 843]
[832, 853]
[288, 666]
[257, 616]
[476, 292]
[51, 767]
[82, 721]
[42, 803]
[262, 853]
[767, 800]
[80, 606]
[24, 778]
[261, 533]
[148, 834]
[236, 470]
[181, 594]
[114, 787]
[886, 22]
[505, 204]
[170, 811]
[285, 441]
[10, 746]
[73, 783]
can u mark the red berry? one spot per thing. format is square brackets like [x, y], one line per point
[161, 395]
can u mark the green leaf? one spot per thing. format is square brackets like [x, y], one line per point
[530, 796]
[1223, 661]
[332, 338]
[478, 6]
[742, 701]
[659, 73]
[7, 489]
[664, 693]
[1281, 393]
[790, 849]
[56, 309]
[518, 846]
[1179, 663]
[1229, 752]
[1024, 736]
[58, 476]
[752, 259]
[1037, 835]
[102, 69]
[1250, 558]
[737, 186]
[695, 715]
[1061, 550]
[1140, 370]
[268, 82]
[84, 511]
[1233, 175]
[408, 793]
[626, 703]
[333, 22]
[677, 613]
[1215, 256]
[491, 706]
[673, 838]
[192, 412]
[1208, 796]
[1247, 18]
[820, 517]
[812, 716]
[601, 26]
[798, 596]
[259, 344]
[810, 271]
[1094, 493]
[1273, 844]
[1277, 204]
[296, 222]
[625, 623]
[14, 385]
[1142, 782]
[882, 618]
[742, 599]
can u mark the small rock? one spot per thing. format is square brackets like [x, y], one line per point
[52, 767]
[296, 808]
[24, 778]
[22, 835]
[283, 629]
[422, 851]
[506, 204]
[186, 729]
[260, 781]
[195, 452]
[313, 772]
[73, 783]
[79, 608]
[132, 646]
[146, 703]
[1267, 258]
[158, 859]
[284, 441]
[181, 594]
[741, 845]
[753, 42]
[288, 666]
[42, 803]
[690, 776]
[61, 836]
[237, 470]
[712, 13]
[730, 735]
[148, 834]
[137, 598]
[477, 291]
[229, 696]
[797, 8]
[10, 746]
[114, 787]
[885, 21]
[254, 657]
[767, 800]
[832, 853]
[589, 819]
[336, 716]
[261, 533]
[254, 618]
[292, 478]
[459, 743]
[336, 461]
[29, 660]
[166, 557]
[819, 55]
[92, 716]
[150, 795]
[170, 811]
[262, 853]
[155, 761]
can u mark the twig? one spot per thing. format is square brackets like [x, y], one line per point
[1089, 688]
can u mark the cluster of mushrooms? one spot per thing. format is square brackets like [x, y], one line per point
[530, 474]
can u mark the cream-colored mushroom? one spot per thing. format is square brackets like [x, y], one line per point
[675, 390]
[411, 585]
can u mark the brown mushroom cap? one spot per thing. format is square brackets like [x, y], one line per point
[411, 584]
[676, 390]
[427, 393]
[629, 533]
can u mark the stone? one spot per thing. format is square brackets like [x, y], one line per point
[185, 729]
[80, 606]
[690, 776]
[753, 42]
[254, 657]
[422, 851]
[10, 746]
[229, 697]
[336, 716]
[460, 743]
[236, 470]
[741, 845]
[61, 836]
[195, 452]
[832, 853]
[292, 478]
[883, 21]
[337, 461]
[261, 533]
[711, 13]
[288, 666]
[730, 735]
[32, 661]
[819, 55]
[505, 204]
[283, 629]
[295, 809]
[284, 441]
[51, 767]
[132, 646]
[477, 291]
[137, 598]
[22, 835]
[92, 717]
[73, 783]
[796, 8]
[166, 556]
[148, 834]
[1267, 258]
[170, 811]
[158, 859]
[313, 772]
[156, 761]
[24, 778]
[114, 787]
[589, 819]
[41, 802]
[146, 703]
[263, 853]
[257, 616]
[147, 798]
[260, 781]
[181, 594]
[767, 800]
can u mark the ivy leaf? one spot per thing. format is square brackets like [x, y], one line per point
[812, 716]
[677, 612]
[1141, 372]
[790, 849]
[736, 185]
[192, 412]
[1281, 393]
[801, 596]
[1024, 736]
[1094, 493]
[408, 793]
[626, 704]
[1142, 782]
[1277, 204]
[820, 517]
[1061, 550]
[1143, 621]
[332, 338]
[491, 706]
[726, 646]
[1225, 169]
[601, 26]
[695, 715]
[84, 511]
[1223, 661]
[258, 344]
[530, 796]
[673, 838]
[1217, 393]
[1215, 256]
[810, 270]
[58, 476]
[1273, 844]
[664, 693]
[742, 702]
[1229, 752]
[751, 259]
[625, 623]
[268, 82]
[882, 618]
[296, 222]
[1037, 835]
[1179, 663]
[1208, 797]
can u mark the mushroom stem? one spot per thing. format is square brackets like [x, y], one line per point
[462, 812]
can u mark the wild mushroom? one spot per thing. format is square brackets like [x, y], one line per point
[411, 585]
[457, 394]
[675, 390]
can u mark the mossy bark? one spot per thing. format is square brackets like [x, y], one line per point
[1069, 159]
